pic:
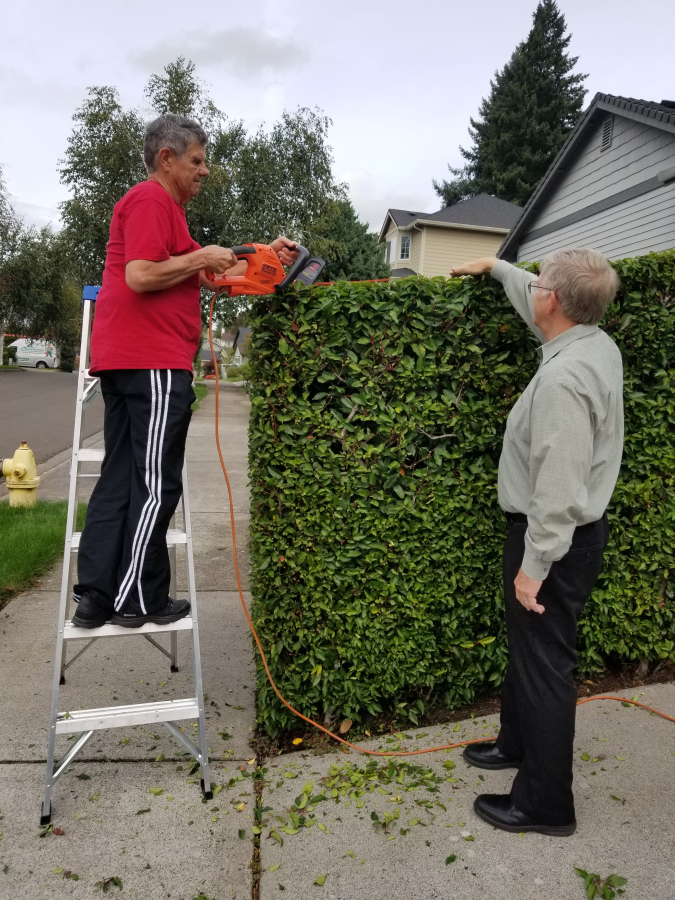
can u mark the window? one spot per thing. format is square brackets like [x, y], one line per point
[405, 246]
[391, 250]
[607, 129]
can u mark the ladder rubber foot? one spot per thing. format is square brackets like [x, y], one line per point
[208, 795]
[62, 679]
[46, 817]
[175, 669]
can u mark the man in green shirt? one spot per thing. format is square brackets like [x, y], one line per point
[559, 465]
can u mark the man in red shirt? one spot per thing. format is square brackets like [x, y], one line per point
[146, 332]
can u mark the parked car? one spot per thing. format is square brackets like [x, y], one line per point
[35, 353]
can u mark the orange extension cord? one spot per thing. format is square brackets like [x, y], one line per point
[295, 712]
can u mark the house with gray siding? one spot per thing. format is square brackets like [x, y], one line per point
[611, 187]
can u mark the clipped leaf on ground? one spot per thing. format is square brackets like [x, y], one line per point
[321, 880]
[106, 883]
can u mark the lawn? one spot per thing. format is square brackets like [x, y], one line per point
[31, 542]
[200, 392]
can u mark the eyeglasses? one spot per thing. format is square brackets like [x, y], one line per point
[533, 287]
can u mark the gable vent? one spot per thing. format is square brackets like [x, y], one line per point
[607, 128]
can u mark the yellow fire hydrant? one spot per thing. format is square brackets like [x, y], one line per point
[22, 477]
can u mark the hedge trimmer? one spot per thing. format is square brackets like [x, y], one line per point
[265, 273]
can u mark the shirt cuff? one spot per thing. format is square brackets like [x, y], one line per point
[500, 270]
[535, 568]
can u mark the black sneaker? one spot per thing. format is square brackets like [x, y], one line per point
[172, 612]
[88, 614]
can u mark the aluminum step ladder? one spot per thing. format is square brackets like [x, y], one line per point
[86, 721]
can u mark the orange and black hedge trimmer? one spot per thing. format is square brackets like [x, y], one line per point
[265, 273]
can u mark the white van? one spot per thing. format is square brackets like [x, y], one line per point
[35, 353]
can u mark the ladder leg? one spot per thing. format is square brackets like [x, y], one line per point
[172, 593]
[67, 563]
[71, 526]
[196, 656]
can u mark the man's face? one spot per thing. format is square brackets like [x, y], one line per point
[187, 171]
[541, 300]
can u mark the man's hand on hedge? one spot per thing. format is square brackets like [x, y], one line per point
[475, 267]
[286, 250]
[526, 591]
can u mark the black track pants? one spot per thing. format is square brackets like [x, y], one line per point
[539, 694]
[123, 561]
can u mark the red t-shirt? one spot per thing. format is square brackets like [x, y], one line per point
[155, 329]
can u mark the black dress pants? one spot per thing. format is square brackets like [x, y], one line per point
[539, 694]
[123, 561]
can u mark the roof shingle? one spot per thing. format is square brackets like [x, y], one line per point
[483, 210]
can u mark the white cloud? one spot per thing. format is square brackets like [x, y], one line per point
[39, 216]
[240, 51]
[372, 198]
[21, 89]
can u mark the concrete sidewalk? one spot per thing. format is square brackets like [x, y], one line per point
[180, 846]
[174, 845]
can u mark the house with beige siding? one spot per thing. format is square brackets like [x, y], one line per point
[611, 187]
[431, 244]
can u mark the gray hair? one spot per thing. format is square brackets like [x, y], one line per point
[584, 282]
[174, 132]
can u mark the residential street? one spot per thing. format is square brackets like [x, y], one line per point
[170, 844]
[38, 406]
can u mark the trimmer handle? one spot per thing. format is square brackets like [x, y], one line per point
[240, 251]
[295, 269]
[243, 250]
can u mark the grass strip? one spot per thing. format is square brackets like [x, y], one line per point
[31, 540]
[200, 392]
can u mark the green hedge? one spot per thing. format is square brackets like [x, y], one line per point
[376, 542]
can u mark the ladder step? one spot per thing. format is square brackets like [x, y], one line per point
[90, 455]
[173, 537]
[73, 633]
[125, 716]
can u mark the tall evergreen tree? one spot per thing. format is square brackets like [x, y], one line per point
[352, 253]
[534, 103]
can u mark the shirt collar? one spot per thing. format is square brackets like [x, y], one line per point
[551, 348]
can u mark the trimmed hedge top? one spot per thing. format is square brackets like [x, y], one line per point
[377, 418]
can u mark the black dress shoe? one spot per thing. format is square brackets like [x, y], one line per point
[172, 612]
[488, 756]
[88, 614]
[498, 810]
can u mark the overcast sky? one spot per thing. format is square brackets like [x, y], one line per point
[399, 78]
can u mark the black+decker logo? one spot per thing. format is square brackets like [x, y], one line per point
[268, 270]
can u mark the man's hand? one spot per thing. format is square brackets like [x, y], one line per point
[286, 250]
[218, 259]
[475, 267]
[526, 591]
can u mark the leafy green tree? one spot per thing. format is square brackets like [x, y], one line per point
[10, 223]
[103, 160]
[534, 103]
[39, 297]
[10, 230]
[353, 253]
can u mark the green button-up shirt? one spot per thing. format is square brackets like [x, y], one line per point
[564, 436]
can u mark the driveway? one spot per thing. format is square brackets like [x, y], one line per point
[38, 406]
